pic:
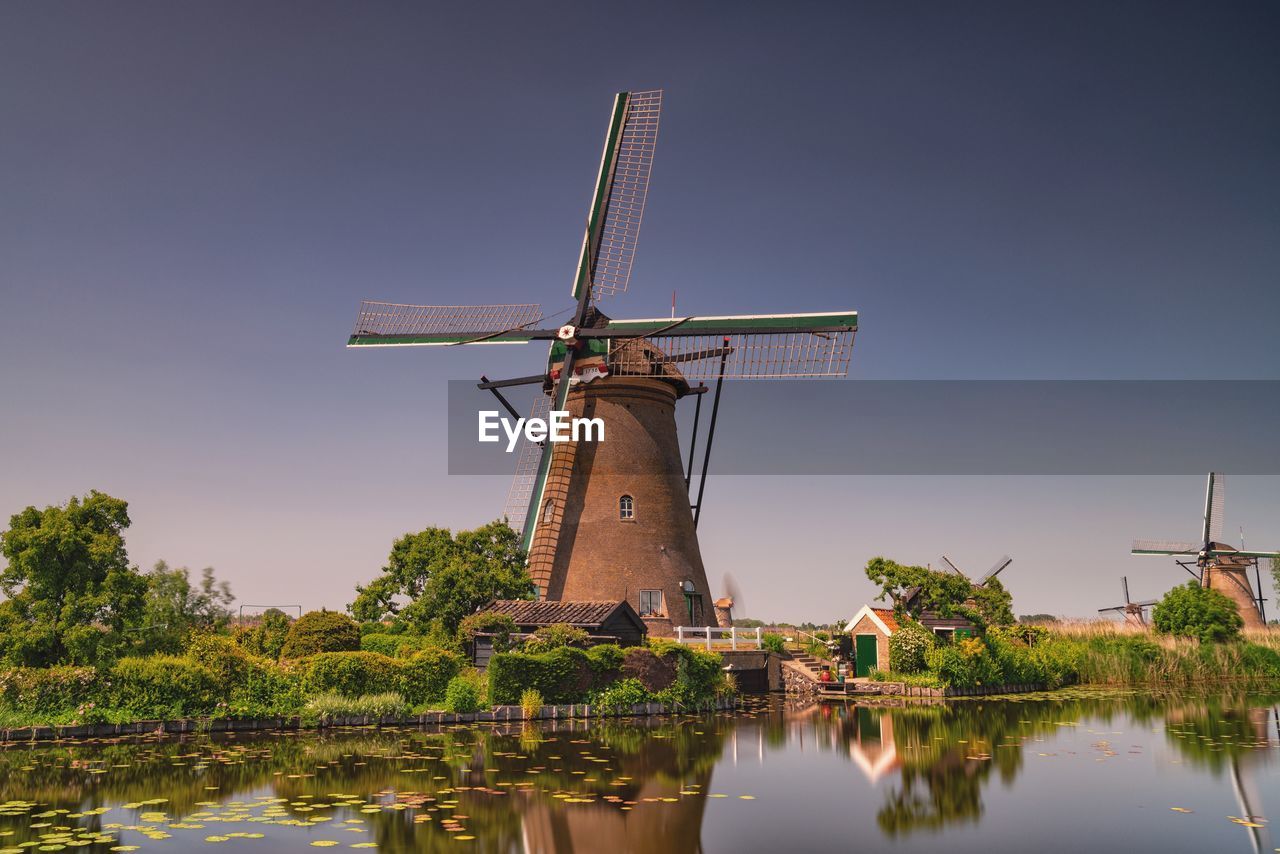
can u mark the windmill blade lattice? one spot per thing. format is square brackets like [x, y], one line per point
[529, 454]
[791, 355]
[1214, 503]
[620, 232]
[401, 323]
[946, 561]
[1164, 547]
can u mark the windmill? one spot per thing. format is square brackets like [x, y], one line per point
[996, 568]
[613, 520]
[1217, 565]
[732, 598]
[1135, 613]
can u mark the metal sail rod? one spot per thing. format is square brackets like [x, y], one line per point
[711, 434]
[506, 404]
[489, 385]
[1257, 574]
[693, 441]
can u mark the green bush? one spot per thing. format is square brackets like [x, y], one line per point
[249, 685]
[699, 673]
[268, 637]
[619, 697]
[563, 675]
[396, 645]
[162, 687]
[1021, 632]
[605, 660]
[501, 626]
[334, 705]
[773, 642]
[462, 695]
[923, 680]
[321, 631]
[560, 635]
[425, 677]
[965, 664]
[352, 674]
[1197, 612]
[48, 693]
[531, 702]
[909, 648]
[382, 642]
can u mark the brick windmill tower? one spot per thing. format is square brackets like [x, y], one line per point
[612, 520]
[1217, 565]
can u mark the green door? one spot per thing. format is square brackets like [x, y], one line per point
[864, 654]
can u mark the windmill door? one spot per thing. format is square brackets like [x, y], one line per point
[864, 655]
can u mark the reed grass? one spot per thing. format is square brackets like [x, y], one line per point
[1107, 653]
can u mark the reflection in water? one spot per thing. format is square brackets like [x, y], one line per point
[638, 785]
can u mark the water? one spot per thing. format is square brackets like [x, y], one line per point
[1085, 771]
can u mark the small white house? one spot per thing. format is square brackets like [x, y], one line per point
[871, 629]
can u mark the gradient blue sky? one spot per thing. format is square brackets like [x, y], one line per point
[194, 197]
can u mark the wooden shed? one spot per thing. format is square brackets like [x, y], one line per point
[604, 622]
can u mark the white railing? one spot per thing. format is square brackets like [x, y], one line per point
[738, 638]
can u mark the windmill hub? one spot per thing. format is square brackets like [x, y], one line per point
[567, 333]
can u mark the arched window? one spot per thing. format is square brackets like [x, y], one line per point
[626, 507]
[548, 512]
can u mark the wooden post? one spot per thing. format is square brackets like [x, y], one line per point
[679, 634]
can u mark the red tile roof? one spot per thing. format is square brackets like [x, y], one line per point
[886, 617]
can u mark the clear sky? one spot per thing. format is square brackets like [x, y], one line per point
[195, 196]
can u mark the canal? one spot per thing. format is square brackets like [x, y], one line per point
[1081, 770]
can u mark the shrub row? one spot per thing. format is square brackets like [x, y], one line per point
[421, 678]
[665, 671]
[216, 677]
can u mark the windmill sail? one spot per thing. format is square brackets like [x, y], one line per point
[617, 206]
[527, 459]
[1214, 504]
[792, 346]
[620, 231]
[996, 569]
[386, 324]
[952, 567]
[1164, 547]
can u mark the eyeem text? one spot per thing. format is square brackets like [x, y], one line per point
[559, 426]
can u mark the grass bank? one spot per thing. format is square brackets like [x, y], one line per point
[1092, 653]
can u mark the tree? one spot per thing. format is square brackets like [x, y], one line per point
[993, 602]
[435, 577]
[1275, 574]
[174, 608]
[268, 637]
[70, 589]
[321, 631]
[1197, 612]
[944, 593]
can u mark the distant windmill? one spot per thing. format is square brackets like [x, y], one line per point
[1135, 613]
[613, 520]
[996, 569]
[1217, 565]
[732, 598]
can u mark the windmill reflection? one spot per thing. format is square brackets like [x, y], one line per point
[1230, 738]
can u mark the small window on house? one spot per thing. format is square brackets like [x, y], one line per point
[651, 603]
[626, 507]
[548, 512]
